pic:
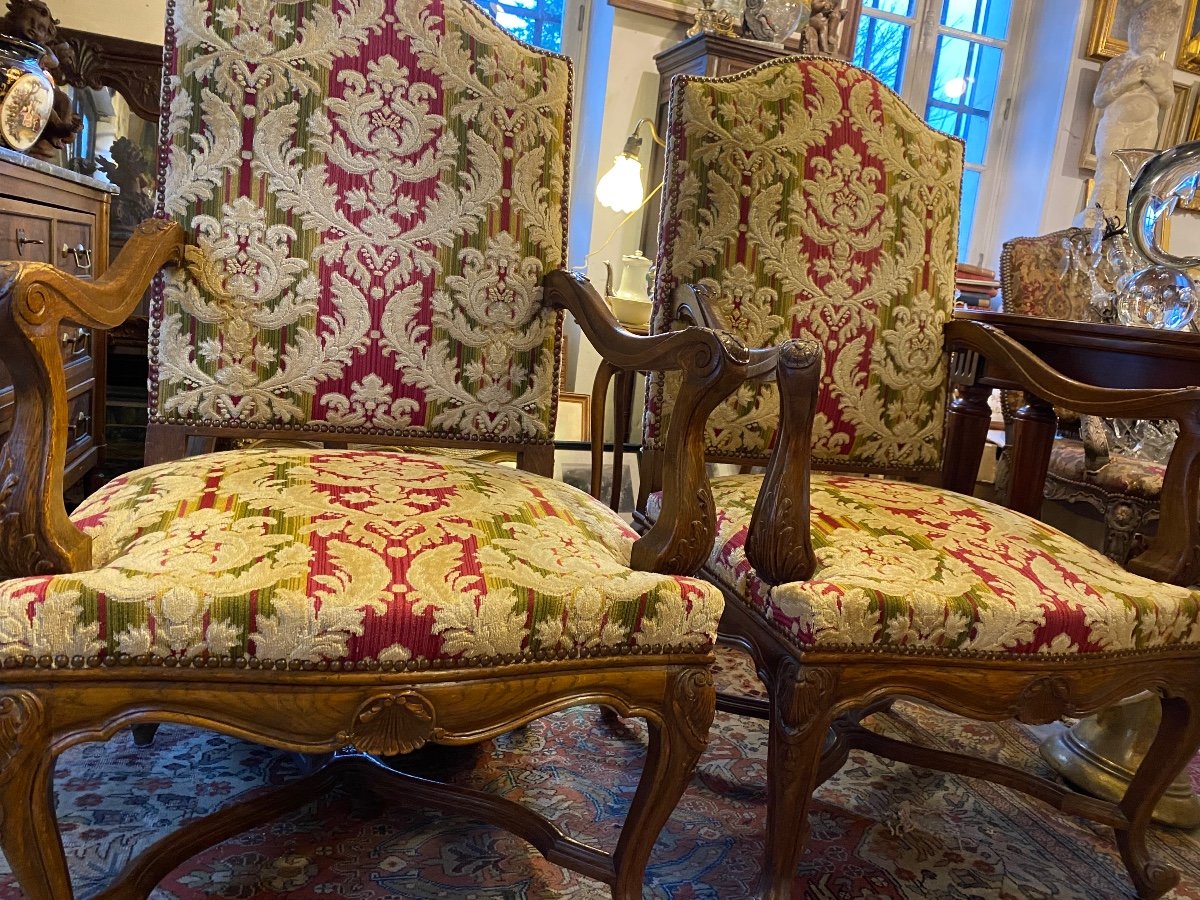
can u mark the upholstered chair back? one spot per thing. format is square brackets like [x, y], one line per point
[813, 202]
[375, 189]
[1038, 279]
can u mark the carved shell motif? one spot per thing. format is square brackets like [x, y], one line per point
[392, 723]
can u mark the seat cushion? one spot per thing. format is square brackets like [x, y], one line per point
[909, 566]
[306, 558]
[1120, 475]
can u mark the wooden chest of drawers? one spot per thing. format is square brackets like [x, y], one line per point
[48, 214]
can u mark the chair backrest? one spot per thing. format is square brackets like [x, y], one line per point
[813, 202]
[1038, 279]
[373, 192]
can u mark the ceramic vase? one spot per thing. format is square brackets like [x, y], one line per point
[26, 93]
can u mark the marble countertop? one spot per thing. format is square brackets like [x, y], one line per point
[21, 159]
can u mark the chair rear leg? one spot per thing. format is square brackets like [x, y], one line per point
[29, 834]
[675, 746]
[1177, 741]
[800, 720]
[143, 735]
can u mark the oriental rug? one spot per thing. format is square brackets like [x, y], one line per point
[880, 830]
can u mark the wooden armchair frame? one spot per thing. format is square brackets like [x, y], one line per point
[825, 691]
[48, 705]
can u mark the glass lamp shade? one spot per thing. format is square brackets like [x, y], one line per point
[621, 188]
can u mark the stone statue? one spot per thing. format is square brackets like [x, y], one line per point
[1132, 91]
[32, 21]
[821, 32]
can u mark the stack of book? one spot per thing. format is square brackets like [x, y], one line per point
[975, 286]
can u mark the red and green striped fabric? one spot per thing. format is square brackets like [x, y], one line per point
[349, 558]
[373, 191]
[813, 202]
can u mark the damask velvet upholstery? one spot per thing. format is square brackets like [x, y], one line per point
[375, 200]
[367, 248]
[821, 215]
[814, 203]
[340, 558]
[913, 567]
[1036, 279]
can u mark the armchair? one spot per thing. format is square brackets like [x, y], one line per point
[816, 215]
[367, 226]
[1124, 489]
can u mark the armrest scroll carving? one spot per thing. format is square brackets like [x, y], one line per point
[36, 537]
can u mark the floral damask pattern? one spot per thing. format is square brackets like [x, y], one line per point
[375, 189]
[1120, 475]
[348, 556]
[1038, 280]
[905, 565]
[813, 202]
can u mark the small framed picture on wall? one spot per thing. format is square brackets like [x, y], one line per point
[1110, 23]
[1188, 57]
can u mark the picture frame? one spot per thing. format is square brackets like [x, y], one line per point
[1188, 56]
[574, 421]
[574, 467]
[1173, 128]
[1087, 149]
[1110, 24]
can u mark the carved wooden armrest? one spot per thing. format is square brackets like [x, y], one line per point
[36, 537]
[692, 304]
[713, 364]
[779, 544]
[1174, 554]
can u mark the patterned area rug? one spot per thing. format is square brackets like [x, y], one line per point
[881, 829]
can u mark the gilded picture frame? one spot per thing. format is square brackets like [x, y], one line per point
[1106, 38]
[1174, 126]
[1188, 57]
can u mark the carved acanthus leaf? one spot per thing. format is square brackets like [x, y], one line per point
[391, 724]
[19, 711]
[802, 693]
[693, 702]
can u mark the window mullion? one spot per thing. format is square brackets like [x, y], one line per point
[921, 59]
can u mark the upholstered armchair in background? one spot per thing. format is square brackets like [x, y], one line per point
[367, 215]
[811, 211]
[1038, 279]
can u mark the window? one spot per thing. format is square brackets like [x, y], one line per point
[542, 23]
[947, 58]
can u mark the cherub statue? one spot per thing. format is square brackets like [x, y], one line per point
[1131, 93]
[32, 21]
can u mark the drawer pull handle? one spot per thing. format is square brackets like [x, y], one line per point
[80, 427]
[76, 340]
[22, 241]
[80, 253]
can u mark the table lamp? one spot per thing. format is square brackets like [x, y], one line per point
[622, 188]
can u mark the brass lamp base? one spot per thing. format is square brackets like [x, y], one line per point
[1101, 753]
